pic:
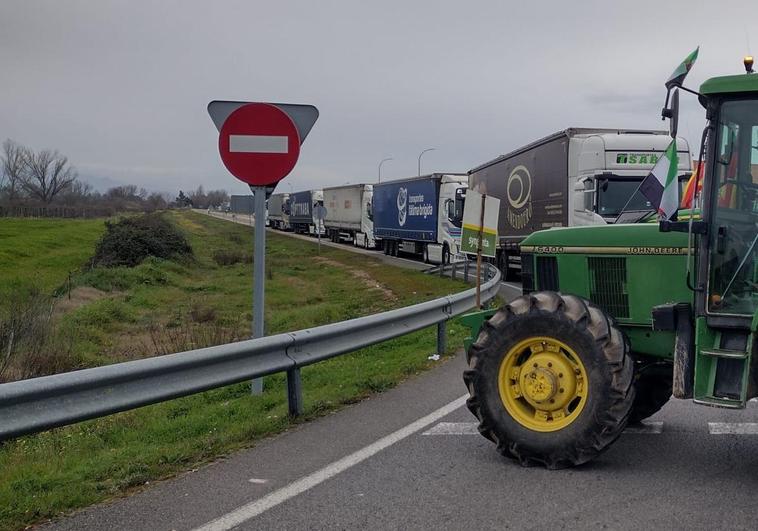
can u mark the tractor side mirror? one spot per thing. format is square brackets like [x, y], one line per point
[674, 119]
[672, 113]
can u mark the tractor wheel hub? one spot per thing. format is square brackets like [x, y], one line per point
[539, 384]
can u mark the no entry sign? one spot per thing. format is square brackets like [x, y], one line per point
[259, 143]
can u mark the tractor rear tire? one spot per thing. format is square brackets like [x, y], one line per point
[526, 356]
[652, 392]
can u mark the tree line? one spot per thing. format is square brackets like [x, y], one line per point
[43, 179]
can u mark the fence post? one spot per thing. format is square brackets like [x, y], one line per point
[454, 265]
[465, 271]
[442, 270]
[294, 392]
[441, 329]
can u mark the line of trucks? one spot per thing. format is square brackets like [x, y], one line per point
[577, 176]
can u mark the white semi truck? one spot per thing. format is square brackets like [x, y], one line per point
[421, 215]
[279, 211]
[572, 177]
[349, 214]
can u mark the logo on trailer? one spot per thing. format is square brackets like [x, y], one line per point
[637, 158]
[519, 191]
[402, 206]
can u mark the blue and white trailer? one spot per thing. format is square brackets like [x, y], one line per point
[420, 215]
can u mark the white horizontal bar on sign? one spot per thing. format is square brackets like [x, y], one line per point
[733, 428]
[258, 144]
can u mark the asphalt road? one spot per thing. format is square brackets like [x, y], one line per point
[408, 459]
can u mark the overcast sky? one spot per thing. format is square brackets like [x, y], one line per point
[121, 87]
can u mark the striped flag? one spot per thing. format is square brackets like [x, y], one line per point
[660, 186]
[677, 76]
[689, 195]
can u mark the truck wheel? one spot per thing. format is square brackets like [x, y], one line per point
[653, 387]
[550, 380]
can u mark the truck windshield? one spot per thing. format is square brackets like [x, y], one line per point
[455, 207]
[613, 194]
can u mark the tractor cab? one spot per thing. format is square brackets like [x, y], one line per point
[726, 289]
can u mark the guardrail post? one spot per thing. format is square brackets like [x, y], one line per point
[455, 267]
[442, 270]
[294, 392]
[441, 329]
[465, 271]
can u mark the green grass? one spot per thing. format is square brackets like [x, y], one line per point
[42, 252]
[48, 474]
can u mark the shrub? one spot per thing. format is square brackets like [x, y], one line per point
[226, 257]
[189, 336]
[30, 344]
[202, 314]
[130, 240]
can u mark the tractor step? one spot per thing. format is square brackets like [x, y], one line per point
[724, 353]
[720, 402]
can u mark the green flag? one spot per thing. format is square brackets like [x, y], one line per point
[661, 186]
[677, 77]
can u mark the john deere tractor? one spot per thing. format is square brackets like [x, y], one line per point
[614, 319]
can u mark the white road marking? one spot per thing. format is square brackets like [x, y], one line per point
[645, 427]
[258, 481]
[254, 508]
[258, 144]
[453, 428]
[470, 428]
[733, 428]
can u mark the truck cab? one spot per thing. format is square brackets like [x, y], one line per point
[607, 170]
[449, 223]
[365, 237]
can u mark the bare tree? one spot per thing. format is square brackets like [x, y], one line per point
[13, 168]
[47, 174]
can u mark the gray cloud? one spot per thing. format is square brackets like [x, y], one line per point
[121, 86]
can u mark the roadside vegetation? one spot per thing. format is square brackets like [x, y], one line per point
[191, 300]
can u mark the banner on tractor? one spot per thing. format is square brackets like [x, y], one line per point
[472, 224]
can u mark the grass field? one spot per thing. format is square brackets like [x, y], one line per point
[41, 252]
[162, 306]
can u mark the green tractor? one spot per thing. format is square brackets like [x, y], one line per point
[614, 319]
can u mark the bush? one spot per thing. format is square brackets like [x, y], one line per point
[30, 344]
[225, 257]
[130, 240]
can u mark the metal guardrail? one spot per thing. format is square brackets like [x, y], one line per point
[463, 270]
[38, 404]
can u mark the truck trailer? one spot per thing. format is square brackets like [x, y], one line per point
[349, 215]
[279, 211]
[571, 178]
[301, 210]
[421, 215]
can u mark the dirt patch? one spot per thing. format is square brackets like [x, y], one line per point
[366, 279]
[77, 298]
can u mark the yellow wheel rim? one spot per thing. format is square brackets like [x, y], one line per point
[543, 384]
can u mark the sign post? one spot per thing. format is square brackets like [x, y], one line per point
[259, 144]
[319, 213]
[479, 234]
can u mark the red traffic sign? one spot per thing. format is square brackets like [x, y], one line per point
[259, 144]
